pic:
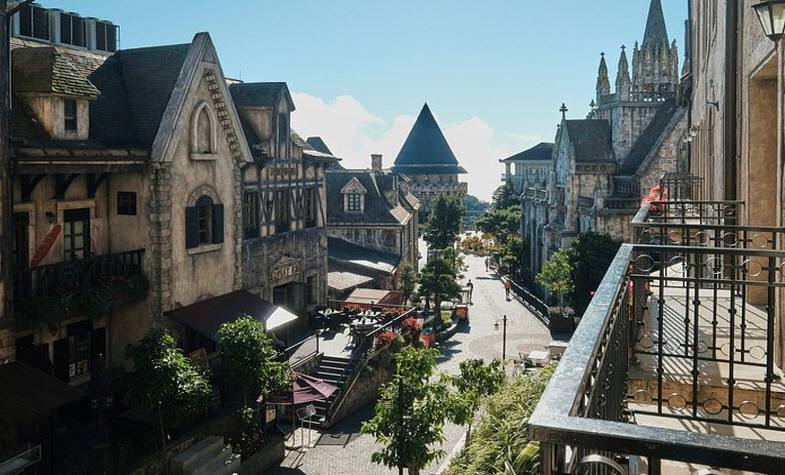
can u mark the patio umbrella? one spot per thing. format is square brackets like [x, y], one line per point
[307, 389]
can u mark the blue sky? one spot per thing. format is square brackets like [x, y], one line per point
[494, 72]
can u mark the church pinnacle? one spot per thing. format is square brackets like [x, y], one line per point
[603, 83]
[623, 82]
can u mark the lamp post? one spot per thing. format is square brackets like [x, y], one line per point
[771, 14]
[504, 335]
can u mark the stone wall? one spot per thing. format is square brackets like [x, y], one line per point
[364, 392]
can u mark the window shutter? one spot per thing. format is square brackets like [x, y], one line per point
[218, 223]
[191, 227]
[60, 365]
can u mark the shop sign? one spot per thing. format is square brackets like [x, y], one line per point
[285, 270]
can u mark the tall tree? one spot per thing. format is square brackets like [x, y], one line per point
[591, 255]
[444, 222]
[437, 281]
[512, 254]
[475, 382]
[506, 196]
[408, 282]
[247, 356]
[410, 413]
[501, 222]
[556, 276]
[165, 381]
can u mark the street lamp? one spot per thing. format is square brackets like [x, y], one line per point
[504, 335]
[771, 14]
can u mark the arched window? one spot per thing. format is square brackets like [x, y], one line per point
[204, 135]
[204, 223]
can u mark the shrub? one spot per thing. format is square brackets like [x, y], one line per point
[411, 325]
[384, 338]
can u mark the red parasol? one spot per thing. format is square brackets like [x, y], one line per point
[308, 389]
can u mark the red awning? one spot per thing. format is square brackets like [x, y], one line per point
[309, 389]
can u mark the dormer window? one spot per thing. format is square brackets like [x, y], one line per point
[70, 115]
[354, 196]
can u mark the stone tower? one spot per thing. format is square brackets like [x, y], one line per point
[655, 64]
[638, 96]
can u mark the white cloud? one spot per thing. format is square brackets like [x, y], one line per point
[353, 133]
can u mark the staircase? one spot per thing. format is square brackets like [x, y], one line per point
[209, 456]
[336, 371]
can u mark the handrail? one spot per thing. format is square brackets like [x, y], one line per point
[368, 351]
[571, 413]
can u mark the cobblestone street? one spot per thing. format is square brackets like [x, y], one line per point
[524, 333]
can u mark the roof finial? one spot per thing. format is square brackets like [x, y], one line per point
[563, 109]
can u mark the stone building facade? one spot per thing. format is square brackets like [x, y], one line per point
[738, 120]
[373, 215]
[429, 163]
[145, 182]
[530, 168]
[602, 165]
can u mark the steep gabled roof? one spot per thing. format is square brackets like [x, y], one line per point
[647, 142]
[590, 140]
[318, 144]
[149, 76]
[378, 210]
[426, 149]
[656, 31]
[540, 152]
[260, 94]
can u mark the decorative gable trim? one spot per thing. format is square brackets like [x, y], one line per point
[199, 55]
[354, 186]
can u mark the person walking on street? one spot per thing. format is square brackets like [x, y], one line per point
[507, 287]
[487, 265]
[470, 286]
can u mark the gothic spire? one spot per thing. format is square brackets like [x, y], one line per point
[623, 75]
[603, 84]
[656, 31]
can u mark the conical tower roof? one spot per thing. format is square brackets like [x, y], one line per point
[656, 31]
[425, 150]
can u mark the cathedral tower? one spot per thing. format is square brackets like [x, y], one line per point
[655, 64]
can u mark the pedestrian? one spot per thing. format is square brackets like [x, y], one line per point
[507, 288]
[487, 266]
[470, 285]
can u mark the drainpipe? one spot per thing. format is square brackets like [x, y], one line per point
[731, 76]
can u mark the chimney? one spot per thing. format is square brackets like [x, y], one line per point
[376, 162]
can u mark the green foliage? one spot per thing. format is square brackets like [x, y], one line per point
[454, 258]
[505, 196]
[475, 382]
[500, 444]
[250, 438]
[556, 275]
[437, 281]
[408, 282]
[473, 209]
[247, 355]
[410, 413]
[501, 222]
[444, 222]
[512, 254]
[166, 381]
[591, 255]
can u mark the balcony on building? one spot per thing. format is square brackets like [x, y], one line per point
[87, 286]
[674, 366]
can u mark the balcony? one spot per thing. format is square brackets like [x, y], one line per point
[673, 367]
[93, 286]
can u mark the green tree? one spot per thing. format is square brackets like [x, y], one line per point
[473, 209]
[247, 356]
[506, 196]
[165, 381]
[411, 412]
[408, 282]
[437, 281]
[475, 382]
[556, 276]
[444, 222]
[455, 260]
[591, 255]
[501, 222]
[512, 254]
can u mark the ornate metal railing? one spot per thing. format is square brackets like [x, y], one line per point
[673, 333]
[632, 203]
[680, 186]
[67, 277]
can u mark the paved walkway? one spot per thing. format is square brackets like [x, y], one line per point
[524, 333]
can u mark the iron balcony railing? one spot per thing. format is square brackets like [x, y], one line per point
[677, 186]
[677, 343]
